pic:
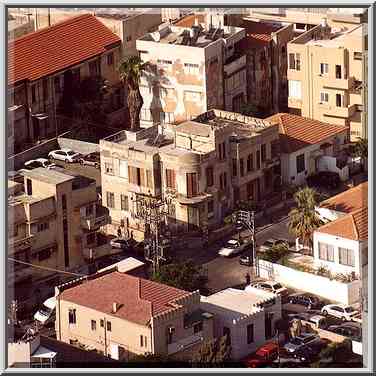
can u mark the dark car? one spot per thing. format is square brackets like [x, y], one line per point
[351, 330]
[306, 300]
[92, 159]
[309, 353]
[326, 179]
[246, 260]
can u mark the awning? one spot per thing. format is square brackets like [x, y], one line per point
[41, 116]
[43, 352]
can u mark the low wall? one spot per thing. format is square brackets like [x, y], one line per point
[347, 293]
[77, 145]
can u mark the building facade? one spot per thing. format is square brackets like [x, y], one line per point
[207, 165]
[134, 316]
[191, 70]
[54, 220]
[325, 75]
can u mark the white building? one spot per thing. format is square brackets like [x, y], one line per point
[309, 146]
[192, 69]
[247, 316]
[342, 244]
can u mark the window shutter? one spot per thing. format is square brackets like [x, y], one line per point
[189, 185]
[142, 177]
[149, 179]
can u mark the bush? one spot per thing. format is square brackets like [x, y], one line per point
[323, 271]
[275, 253]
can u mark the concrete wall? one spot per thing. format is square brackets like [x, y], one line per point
[327, 163]
[347, 293]
[77, 145]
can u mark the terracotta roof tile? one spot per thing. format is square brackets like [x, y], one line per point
[297, 132]
[139, 299]
[189, 21]
[58, 47]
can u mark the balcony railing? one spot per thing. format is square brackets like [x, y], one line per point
[22, 243]
[94, 222]
[185, 343]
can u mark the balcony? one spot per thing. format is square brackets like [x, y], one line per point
[185, 343]
[20, 244]
[94, 222]
[342, 112]
[234, 63]
[337, 83]
[184, 200]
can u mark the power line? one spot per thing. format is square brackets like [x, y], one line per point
[47, 268]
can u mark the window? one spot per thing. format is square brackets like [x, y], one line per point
[241, 166]
[42, 226]
[300, 163]
[210, 208]
[123, 169]
[234, 167]
[346, 256]
[258, 160]
[136, 176]
[141, 340]
[250, 191]
[324, 97]
[209, 176]
[94, 68]
[326, 252]
[128, 38]
[222, 150]
[227, 332]
[170, 334]
[102, 323]
[170, 179]
[124, 202]
[263, 152]
[338, 100]
[295, 89]
[294, 61]
[275, 148]
[64, 202]
[338, 71]
[44, 254]
[33, 94]
[300, 26]
[93, 325]
[109, 326]
[110, 199]
[197, 328]
[110, 59]
[164, 62]
[250, 334]
[72, 316]
[191, 68]
[358, 56]
[324, 68]
[167, 117]
[191, 184]
[57, 84]
[250, 163]
[109, 167]
[45, 89]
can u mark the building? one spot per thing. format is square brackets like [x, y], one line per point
[17, 28]
[341, 244]
[54, 220]
[133, 316]
[191, 70]
[247, 316]
[43, 77]
[308, 146]
[265, 46]
[207, 166]
[325, 75]
[130, 25]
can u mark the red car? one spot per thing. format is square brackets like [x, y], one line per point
[263, 357]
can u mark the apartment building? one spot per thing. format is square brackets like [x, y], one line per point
[54, 220]
[44, 70]
[325, 75]
[133, 316]
[192, 69]
[206, 166]
[130, 25]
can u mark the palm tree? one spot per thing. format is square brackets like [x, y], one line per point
[304, 219]
[130, 73]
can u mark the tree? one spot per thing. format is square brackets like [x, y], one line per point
[130, 73]
[186, 276]
[360, 150]
[304, 219]
[213, 353]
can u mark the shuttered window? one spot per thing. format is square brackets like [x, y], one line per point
[209, 176]
[170, 179]
[191, 184]
[149, 180]
[136, 176]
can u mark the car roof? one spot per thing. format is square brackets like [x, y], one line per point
[232, 241]
[42, 160]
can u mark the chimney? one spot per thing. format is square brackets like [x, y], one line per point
[114, 307]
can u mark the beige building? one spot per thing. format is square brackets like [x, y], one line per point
[54, 220]
[207, 165]
[325, 75]
[192, 69]
[43, 78]
[133, 316]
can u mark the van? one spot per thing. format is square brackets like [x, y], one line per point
[46, 313]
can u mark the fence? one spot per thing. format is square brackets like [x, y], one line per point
[347, 293]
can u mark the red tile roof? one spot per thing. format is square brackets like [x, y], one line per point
[58, 47]
[297, 132]
[258, 34]
[138, 299]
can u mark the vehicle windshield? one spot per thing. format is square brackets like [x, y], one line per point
[71, 153]
[349, 309]
[277, 286]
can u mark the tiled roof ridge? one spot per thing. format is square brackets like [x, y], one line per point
[53, 27]
[354, 225]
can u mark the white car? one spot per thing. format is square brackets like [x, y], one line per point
[39, 162]
[271, 286]
[341, 311]
[232, 248]
[66, 155]
[47, 311]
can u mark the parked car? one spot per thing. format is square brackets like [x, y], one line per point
[318, 321]
[246, 260]
[92, 159]
[309, 353]
[272, 242]
[306, 300]
[341, 311]
[39, 162]
[326, 179]
[119, 243]
[46, 313]
[66, 155]
[232, 247]
[301, 341]
[263, 357]
[351, 330]
[271, 286]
